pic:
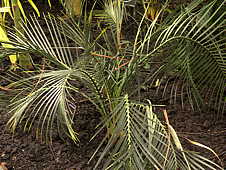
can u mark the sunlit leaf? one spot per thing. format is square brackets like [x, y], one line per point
[4, 38]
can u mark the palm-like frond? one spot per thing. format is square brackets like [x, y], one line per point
[49, 99]
[55, 46]
[113, 15]
[197, 37]
[140, 141]
[135, 135]
[48, 102]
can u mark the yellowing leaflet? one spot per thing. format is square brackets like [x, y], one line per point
[3, 37]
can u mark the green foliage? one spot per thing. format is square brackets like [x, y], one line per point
[108, 67]
[16, 11]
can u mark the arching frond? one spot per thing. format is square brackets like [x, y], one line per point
[47, 94]
[135, 138]
[195, 41]
[140, 141]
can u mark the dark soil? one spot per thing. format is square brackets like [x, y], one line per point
[22, 151]
[25, 152]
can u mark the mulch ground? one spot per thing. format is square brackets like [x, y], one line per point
[22, 151]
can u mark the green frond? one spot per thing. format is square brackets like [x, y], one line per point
[196, 52]
[46, 104]
[140, 141]
[47, 101]
[56, 45]
[135, 139]
[113, 16]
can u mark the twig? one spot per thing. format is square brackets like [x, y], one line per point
[122, 65]
[115, 58]
[106, 56]
[5, 88]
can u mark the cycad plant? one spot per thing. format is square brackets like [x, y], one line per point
[109, 66]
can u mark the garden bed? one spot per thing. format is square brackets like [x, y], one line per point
[23, 151]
